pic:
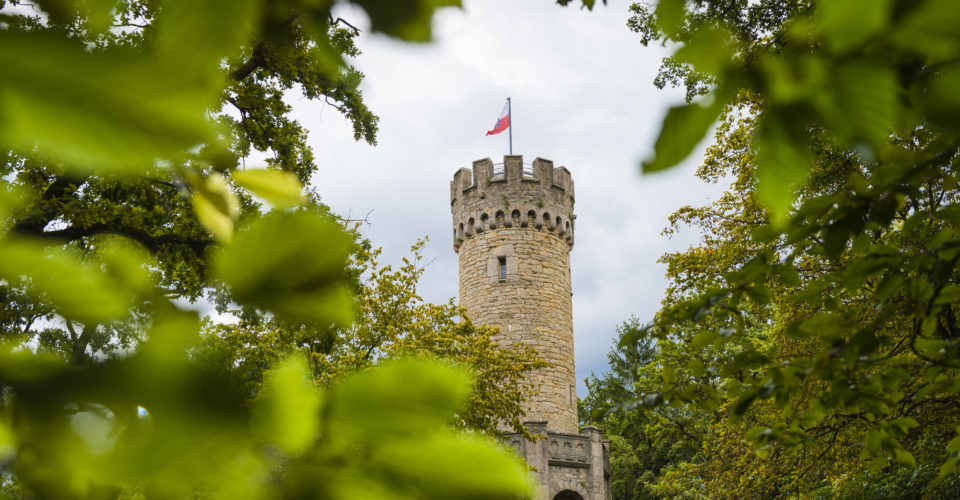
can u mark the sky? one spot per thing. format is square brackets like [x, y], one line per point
[582, 95]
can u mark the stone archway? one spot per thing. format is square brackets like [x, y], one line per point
[568, 495]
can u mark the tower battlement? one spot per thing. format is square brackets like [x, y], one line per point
[490, 197]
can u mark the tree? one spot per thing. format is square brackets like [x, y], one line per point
[121, 193]
[817, 317]
[642, 444]
[293, 45]
[391, 322]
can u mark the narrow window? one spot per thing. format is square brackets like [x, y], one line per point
[503, 267]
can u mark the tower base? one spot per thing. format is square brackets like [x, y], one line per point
[567, 466]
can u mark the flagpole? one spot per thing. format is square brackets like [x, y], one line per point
[510, 114]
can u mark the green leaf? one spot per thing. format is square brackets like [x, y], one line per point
[758, 294]
[789, 276]
[634, 334]
[8, 442]
[707, 50]
[99, 13]
[904, 457]
[683, 128]
[930, 29]
[933, 348]
[867, 101]
[668, 374]
[904, 424]
[282, 189]
[949, 294]
[88, 108]
[77, 290]
[696, 367]
[195, 35]
[954, 445]
[399, 398]
[409, 20]
[824, 324]
[873, 441]
[289, 411]
[446, 466]
[845, 24]
[670, 15]
[947, 468]
[704, 338]
[782, 164]
[215, 205]
[291, 264]
[890, 285]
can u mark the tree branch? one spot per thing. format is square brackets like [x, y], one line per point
[151, 242]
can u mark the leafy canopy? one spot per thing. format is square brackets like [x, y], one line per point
[818, 317]
[123, 195]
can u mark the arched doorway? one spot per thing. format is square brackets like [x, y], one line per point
[568, 495]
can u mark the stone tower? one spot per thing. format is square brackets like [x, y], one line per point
[513, 232]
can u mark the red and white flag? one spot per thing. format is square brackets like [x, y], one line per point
[502, 122]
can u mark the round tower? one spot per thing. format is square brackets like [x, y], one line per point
[513, 231]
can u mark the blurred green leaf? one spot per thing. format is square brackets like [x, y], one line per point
[904, 457]
[954, 445]
[931, 29]
[400, 398]
[56, 277]
[291, 264]
[708, 50]
[782, 164]
[670, 16]
[410, 20]
[195, 35]
[289, 412]
[447, 466]
[824, 324]
[91, 109]
[99, 13]
[8, 441]
[873, 440]
[847, 23]
[215, 205]
[282, 189]
[867, 102]
[683, 128]
[947, 468]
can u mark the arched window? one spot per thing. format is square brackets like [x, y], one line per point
[515, 215]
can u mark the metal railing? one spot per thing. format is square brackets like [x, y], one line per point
[498, 170]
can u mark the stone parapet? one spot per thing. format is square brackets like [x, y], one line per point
[491, 197]
[566, 465]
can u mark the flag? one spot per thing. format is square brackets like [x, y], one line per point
[502, 122]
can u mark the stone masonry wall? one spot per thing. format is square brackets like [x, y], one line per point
[524, 220]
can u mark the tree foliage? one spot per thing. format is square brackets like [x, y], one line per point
[124, 195]
[812, 334]
[392, 321]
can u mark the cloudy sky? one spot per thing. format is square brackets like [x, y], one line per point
[582, 93]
